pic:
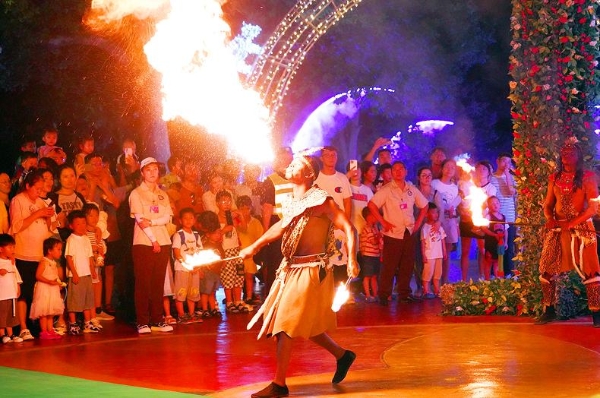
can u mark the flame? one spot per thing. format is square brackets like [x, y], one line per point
[200, 258]
[200, 82]
[341, 296]
[476, 196]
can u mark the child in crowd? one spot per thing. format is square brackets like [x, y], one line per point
[50, 139]
[9, 290]
[370, 244]
[27, 144]
[210, 281]
[28, 164]
[169, 284]
[248, 236]
[46, 296]
[434, 251]
[86, 147]
[80, 272]
[187, 283]
[495, 238]
[96, 235]
[232, 274]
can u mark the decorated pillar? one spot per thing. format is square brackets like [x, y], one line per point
[553, 91]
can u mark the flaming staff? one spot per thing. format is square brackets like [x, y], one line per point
[342, 294]
[203, 258]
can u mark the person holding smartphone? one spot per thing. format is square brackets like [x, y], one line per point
[232, 273]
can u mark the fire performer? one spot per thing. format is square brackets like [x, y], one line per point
[570, 240]
[299, 303]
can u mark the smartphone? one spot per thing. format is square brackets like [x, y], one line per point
[354, 164]
[228, 217]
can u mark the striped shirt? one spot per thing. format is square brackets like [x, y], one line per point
[507, 201]
[370, 241]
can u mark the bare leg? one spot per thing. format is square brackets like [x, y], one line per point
[481, 255]
[284, 353]
[465, 247]
[167, 306]
[237, 294]
[329, 344]
[109, 283]
[179, 307]
[97, 287]
[249, 280]
[374, 286]
[446, 263]
[228, 296]
[367, 287]
[22, 308]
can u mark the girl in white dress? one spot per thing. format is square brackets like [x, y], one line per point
[46, 296]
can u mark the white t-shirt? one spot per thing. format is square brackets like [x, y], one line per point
[507, 201]
[186, 248]
[360, 198]
[80, 248]
[449, 194]
[9, 282]
[336, 185]
[433, 241]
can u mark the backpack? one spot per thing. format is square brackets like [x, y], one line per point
[182, 238]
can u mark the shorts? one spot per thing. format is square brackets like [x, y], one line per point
[27, 270]
[370, 265]
[80, 296]
[8, 319]
[187, 286]
[114, 253]
[468, 230]
[210, 282]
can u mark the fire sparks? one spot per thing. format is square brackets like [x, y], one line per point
[199, 259]
[200, 81]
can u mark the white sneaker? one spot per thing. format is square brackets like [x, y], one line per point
[103, 316]
[96, 323]
[60, 330]
[6, 339]
[16, 339]
[143, 329]
[90, 328]
[26, 335]
[162, 327]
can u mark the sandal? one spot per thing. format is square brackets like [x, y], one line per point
[215, 312]
[169, 320]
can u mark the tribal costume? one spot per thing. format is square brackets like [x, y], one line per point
[299, 303]
[564, 250]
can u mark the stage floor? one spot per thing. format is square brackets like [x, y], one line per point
[406, 350]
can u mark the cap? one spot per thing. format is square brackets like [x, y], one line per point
[146, 162]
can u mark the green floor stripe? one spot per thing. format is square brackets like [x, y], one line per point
[25, 383]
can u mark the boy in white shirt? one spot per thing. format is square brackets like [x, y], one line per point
[187, 283]
[80, 257]
[434, 250]
[9, 290]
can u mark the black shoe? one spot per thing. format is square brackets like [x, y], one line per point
[410, 299]
[383, 301]
[272, 391]
[596, 318]
[548, 316]
[343, 365]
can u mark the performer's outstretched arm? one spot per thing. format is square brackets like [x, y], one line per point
[272, 234]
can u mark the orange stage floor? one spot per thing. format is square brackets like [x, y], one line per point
[404, 350]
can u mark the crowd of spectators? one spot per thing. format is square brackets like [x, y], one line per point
[117, 233]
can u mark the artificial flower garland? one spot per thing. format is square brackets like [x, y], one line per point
[554, 87]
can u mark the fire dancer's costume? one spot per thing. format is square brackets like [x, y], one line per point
[299, 303]
[564, 250]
